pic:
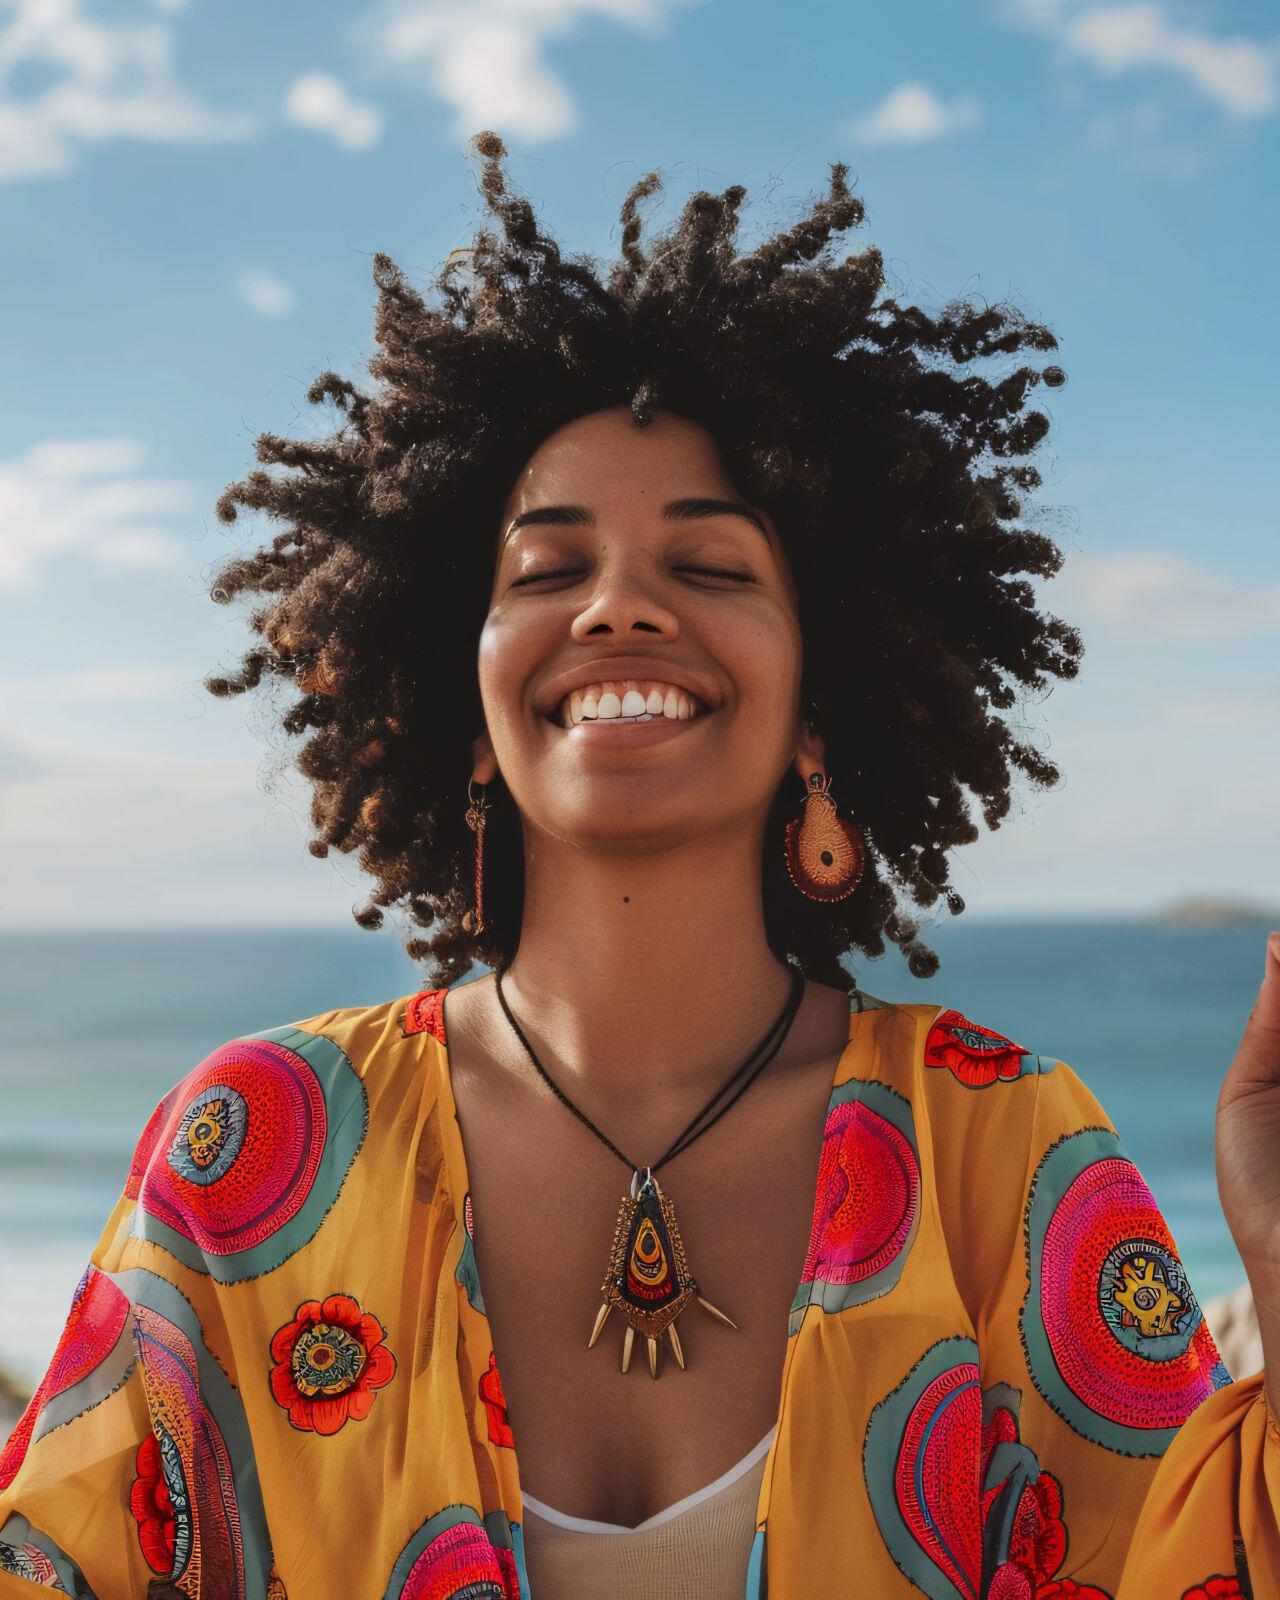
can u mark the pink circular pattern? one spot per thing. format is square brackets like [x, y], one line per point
[461, 1562]
[279, 1140]
[1106, 1203]
[99, 1312]
[867, 1199]
[936, 1476]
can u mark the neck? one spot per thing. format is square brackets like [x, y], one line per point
[648, 969]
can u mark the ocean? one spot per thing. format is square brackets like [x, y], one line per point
[101, 1024]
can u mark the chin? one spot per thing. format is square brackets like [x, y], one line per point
[629, 817]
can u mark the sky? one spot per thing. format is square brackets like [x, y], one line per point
[191, 195]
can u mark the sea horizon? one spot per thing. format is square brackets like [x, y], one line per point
[103, 1021]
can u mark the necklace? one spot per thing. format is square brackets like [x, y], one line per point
[648, 1275]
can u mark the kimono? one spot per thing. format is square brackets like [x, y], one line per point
[277, 1379]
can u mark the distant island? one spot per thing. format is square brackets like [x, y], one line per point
[1199, 913]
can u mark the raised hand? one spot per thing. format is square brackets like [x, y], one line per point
[1248, 1160]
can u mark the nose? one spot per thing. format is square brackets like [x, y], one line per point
[623, 600]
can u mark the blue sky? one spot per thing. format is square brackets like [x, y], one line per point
[192, 195]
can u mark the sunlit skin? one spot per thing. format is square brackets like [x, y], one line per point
[642, 854]
[643, 976]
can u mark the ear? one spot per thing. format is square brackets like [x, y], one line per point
[486, 763]
[811, 754]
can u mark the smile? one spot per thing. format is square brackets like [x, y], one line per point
[629, 700]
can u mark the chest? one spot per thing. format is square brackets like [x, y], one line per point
[594, 1441]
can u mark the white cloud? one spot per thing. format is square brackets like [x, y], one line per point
[485, 58]
[1220, 711]
[87, 497]
[1119, 127]
[913, 114]
[99, 685]
[264, 293]
[1159, 595]
[1238, 74]
[108, 80]
[321, 102]
[136, 838]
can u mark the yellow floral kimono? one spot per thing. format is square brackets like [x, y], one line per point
[277, 1377]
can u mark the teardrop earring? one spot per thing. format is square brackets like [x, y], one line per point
[825, 853]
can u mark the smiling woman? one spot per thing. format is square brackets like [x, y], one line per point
[857, 431]
[654, 631]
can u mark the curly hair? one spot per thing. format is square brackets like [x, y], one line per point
[888, 463]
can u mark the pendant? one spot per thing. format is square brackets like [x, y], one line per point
[648, 1274]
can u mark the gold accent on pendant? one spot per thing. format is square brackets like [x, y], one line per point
[648, 1275]
[715, 1312]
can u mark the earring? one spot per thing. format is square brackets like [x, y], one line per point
[473, 921]
[825, 854]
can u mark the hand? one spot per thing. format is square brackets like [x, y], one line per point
[1248, 1160]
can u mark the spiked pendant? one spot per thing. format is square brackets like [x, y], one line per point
[648, 1275]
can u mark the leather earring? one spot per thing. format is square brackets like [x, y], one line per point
[473, 921]
[825, 853]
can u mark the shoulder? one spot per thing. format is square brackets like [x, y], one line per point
[280, 1114]
[959, 1069]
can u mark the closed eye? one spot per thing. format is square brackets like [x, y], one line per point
[719, 572]
[540, 577]
[573, 572]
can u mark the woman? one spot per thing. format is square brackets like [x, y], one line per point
[735, 532]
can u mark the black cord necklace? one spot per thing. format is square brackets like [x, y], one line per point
[648, 1274]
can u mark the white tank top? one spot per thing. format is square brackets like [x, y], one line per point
[696, 1549]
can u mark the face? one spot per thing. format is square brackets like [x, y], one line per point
[632, 581]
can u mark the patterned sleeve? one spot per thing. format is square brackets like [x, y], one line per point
[1118, 1460]
[130, 1473]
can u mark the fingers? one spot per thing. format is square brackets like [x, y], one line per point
[1258, 1058]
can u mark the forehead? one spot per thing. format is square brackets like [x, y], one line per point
[607, 456]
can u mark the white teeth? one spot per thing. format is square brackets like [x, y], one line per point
[627, 701]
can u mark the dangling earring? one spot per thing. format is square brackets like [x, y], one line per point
[825, 854]
[473, 921]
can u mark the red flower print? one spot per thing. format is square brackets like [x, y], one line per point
[152, 1508]
[1215, 1588]
[976, 1056]
[424, 1013]
[329, 1362]
[1038, 1537]
[495, 1404]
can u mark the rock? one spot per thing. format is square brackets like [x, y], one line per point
[1203, 913]
[1234, 1328]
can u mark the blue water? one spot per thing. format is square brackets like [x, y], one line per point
[98, 1026]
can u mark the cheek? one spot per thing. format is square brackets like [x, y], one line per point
[763, 653]
[507, 660]
[497, 667]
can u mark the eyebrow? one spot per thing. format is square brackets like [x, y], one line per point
[695, 509]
